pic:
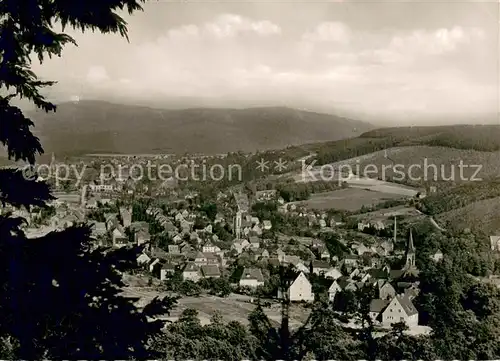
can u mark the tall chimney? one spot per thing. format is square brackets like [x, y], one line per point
[395, 231]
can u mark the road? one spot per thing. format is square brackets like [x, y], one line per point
[434, 223]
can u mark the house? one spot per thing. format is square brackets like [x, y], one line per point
[209, 247]
[156, 266]
[191, 272]
[438, 256]
[240, 245]
[254, 242]
[495, 243]
[299, 290]
[301, 267]
[387, 246]
[126, 215]
[333, 290]
[319, 267]
[101, 187]
[266, 225]
[333, 273]
[293, 260]
[385, 290]
[173, 249]
[142, 236]
[119, 237]
[99, 229]
[376, 308]
[143, 259]
[198, 258]
[350, 260]
[361, 249]
[346, 284]
[256, 229]
[400, 309]
[251, 277]
[261, 253]
[153, 263]
[167, 269]
[210, 258]
[210, 271]
[265, 195]
[325, 255]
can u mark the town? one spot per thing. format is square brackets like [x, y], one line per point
[231, 244]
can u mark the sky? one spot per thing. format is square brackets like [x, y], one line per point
[394, 62]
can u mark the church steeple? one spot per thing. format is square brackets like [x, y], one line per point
[410, 252]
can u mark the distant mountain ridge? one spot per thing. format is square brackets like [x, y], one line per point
[96, 126]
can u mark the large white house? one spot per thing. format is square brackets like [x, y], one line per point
[299, 290]
[400, 309]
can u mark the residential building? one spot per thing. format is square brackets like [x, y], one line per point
[126, 215]
[437, 256]
[400, 309]
[210, 271]
[167, 270]
[333, 273]
[143, 259]
[119, 238]
[333, 290]
[376, 307]
[495, 243]
[320, 267]
[299, 290]
[191, 272]
[209, 247]
[385, 290]
[251, 277]
[267, 225]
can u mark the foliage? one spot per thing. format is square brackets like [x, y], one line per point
[219, 340]
[460, 196]
[58, 298]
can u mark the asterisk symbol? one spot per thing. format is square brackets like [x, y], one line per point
[262, 165]
[280, 165]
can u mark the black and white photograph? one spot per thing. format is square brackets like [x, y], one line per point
[249, 180]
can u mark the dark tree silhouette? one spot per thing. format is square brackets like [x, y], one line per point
[58, 297]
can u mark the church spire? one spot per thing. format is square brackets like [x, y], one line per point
[411, 247]
[410, 253]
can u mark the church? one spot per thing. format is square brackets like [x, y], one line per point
[410, 268]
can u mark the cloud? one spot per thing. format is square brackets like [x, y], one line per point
[97, 74]
[329, 32]
[256, 60]
[435, 42]
[224, 26]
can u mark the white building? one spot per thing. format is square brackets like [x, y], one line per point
[400, 309]
[299, 290]
[332, 291]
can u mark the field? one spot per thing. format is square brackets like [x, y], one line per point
[429, 164]
[232, 308]
[389, 212]
[349, 199]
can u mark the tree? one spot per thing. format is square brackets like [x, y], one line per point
[58, 298]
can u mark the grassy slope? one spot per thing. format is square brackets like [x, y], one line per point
[467, 137]
[431, 165]
[483, 215]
